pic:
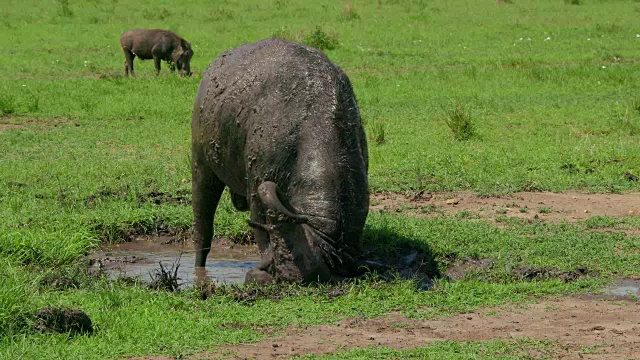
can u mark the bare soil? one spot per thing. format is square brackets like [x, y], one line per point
[572, 323]
[16, 122]
[532, 206]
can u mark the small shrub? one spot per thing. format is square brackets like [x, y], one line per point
[378, 134]
[573, 2]
[429, 209]
[281, 4]
[459, 121]
[349, 12]
[34, 103]
[7, 104]
[627, 120]
[88, 105]
[153, 14]
[64, 8]
[319, 39]
[635, 105]
[283, 33]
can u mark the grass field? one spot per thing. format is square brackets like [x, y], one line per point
[549, 92]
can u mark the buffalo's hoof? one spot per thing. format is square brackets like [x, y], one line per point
[258, 276]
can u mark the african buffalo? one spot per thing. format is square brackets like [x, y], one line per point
[278, 123]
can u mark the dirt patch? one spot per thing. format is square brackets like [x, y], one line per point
[17, 122]
[460, 268]
[572, 323]
[182, 197]
[545, 273]
[531, 206]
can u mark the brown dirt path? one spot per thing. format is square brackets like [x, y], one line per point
[542, 206]
[572, 323]
[16, 122]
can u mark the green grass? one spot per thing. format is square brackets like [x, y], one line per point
[553, 91]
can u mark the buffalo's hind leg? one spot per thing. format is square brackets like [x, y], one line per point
[206, 192]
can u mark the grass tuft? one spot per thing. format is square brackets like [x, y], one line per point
[322, 40]
[64, 8]
[627, 119]
[7, 104]
[166, 278]
[378, 135]
[349, 12]
[459, 121]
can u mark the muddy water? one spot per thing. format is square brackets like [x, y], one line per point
[140, 258]
[624, 287]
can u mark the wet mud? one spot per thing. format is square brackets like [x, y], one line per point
[625, 288]
[141, 258]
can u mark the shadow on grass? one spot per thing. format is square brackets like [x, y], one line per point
[391, 255]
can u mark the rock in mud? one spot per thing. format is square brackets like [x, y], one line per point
[61, 320]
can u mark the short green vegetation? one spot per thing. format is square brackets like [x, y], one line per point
[454, 95]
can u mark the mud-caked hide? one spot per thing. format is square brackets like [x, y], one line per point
[278, 124]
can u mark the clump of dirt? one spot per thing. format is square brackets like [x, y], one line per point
[63, 320]
[545, 273]
[129, 232]
[461, 267]
[629, 176]
[63, 279]
[103, 193]
[251, 292]
[182, 197]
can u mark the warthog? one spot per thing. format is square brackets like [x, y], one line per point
[277, 122]
[157, 45]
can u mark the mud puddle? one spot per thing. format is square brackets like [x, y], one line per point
[624, 288]
[227, 262]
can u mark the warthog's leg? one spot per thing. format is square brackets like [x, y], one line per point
[206, 192]
[128, 63]
[156, 62]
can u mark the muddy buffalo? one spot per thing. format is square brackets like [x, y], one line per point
[157, 45]
[277, 123]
